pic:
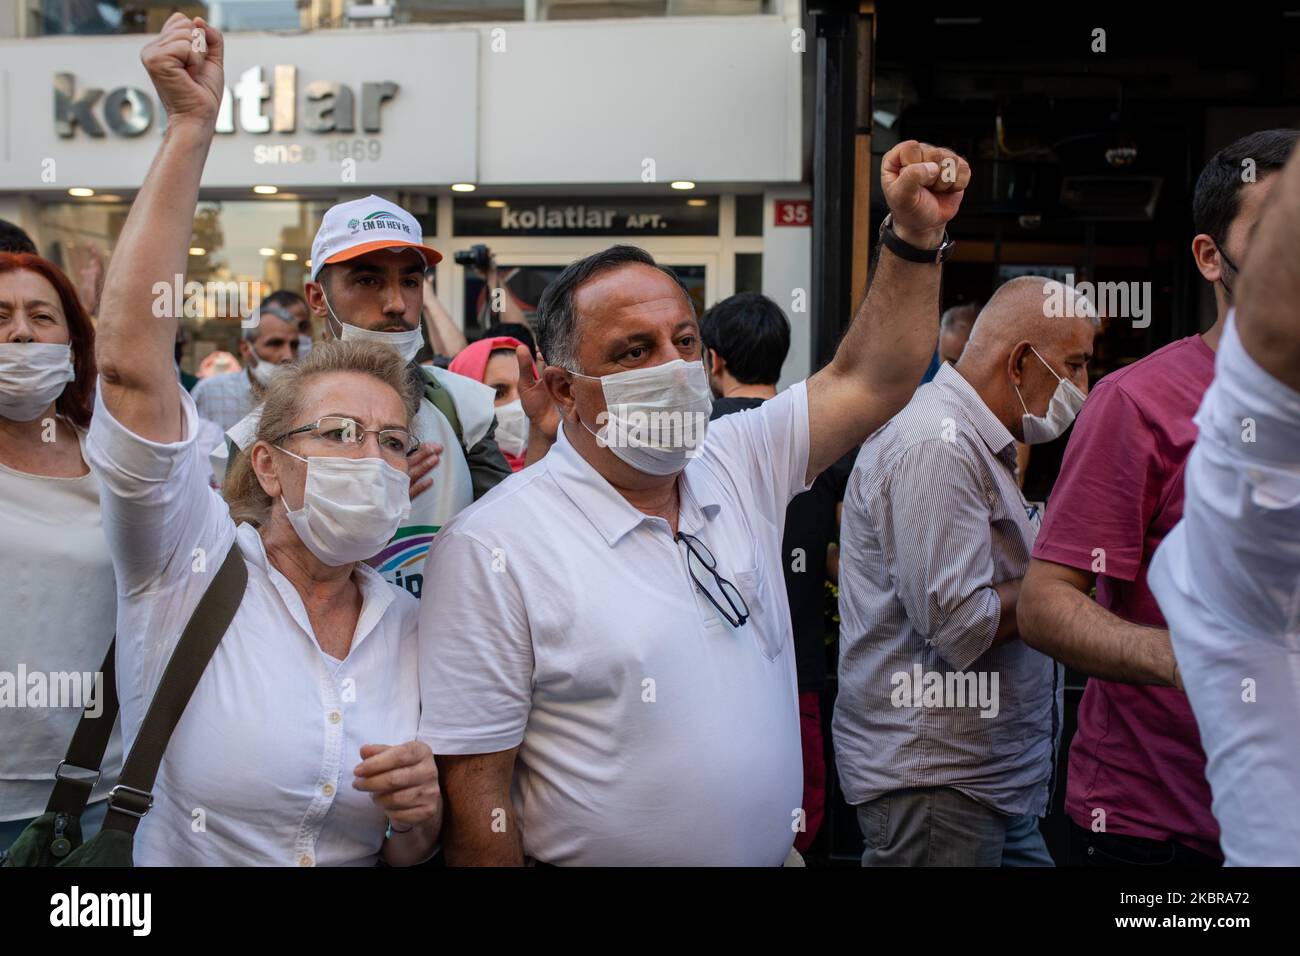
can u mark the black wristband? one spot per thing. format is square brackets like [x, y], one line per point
[910, 253]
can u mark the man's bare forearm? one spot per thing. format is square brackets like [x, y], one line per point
[893, 337]
[1008, 593]
[135, 339]
[886, 348]
[479, 826]
[1060, 620]
[1270, 282]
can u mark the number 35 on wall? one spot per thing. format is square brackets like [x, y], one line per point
[793, 212]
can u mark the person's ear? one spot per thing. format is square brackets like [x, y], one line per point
[1205, 251]
[717, 364]
[261, 457]
[245, 352]
[1016, 362]
[316, 300]
[560, 387]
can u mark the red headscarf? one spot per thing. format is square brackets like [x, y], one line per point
[472, 361]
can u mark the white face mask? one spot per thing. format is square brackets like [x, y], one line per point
[32, 375]
[656, 418]
[407, 344]
[264, 372]
[1065, 404]
[351, 507]
[512, 428]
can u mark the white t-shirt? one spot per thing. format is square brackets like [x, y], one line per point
[1228, 581]
[57, 603]
[259, 769]
[559, 618]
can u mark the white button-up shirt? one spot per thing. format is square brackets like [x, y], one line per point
[259, 768]
[559, 618]
[1228, 581]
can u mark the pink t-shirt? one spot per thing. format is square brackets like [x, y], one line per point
[1137, 754]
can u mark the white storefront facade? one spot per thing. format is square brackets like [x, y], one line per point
[571, 133]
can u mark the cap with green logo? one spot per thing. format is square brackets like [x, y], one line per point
[354, 228]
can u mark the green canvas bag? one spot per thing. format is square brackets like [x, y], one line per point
[54, 838]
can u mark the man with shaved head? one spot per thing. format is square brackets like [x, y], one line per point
[946, 724]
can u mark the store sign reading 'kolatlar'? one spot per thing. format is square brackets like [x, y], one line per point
[127, 111]
[615, 216]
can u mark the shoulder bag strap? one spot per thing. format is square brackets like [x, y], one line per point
[131, 799]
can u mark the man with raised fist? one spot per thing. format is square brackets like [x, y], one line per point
[630, 657]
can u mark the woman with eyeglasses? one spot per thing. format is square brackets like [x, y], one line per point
[298, 746]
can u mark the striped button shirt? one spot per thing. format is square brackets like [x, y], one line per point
[225, 399]
[933, 518]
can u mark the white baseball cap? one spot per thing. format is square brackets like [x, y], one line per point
[354, 228]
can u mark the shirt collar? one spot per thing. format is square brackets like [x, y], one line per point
[608, 511]
[994, 434]
[699, 502]
[376, 593]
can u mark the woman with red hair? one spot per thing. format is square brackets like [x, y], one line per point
[495, 363]
[58, 602]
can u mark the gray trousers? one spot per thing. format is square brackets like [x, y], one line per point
[940, 826]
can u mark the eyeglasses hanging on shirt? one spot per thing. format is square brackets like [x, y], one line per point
[739, 610]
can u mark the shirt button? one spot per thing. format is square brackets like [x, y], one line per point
[328, 789]
[335, 716]
[305, 860]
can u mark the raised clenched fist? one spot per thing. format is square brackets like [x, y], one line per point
[185, 63]
[923, 186]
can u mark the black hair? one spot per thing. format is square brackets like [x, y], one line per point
[14, 239]
[556, 322]
[1217, 199]
[752, 335]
